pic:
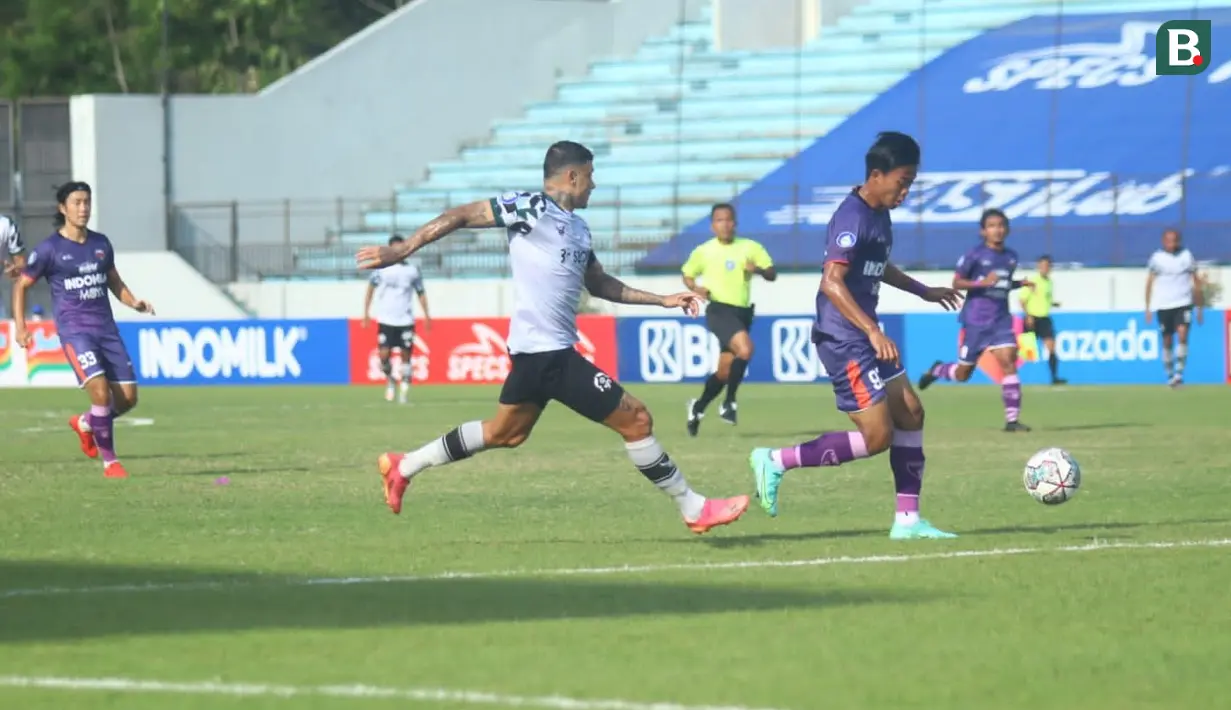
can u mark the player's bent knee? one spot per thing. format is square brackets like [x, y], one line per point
[963, 373]
[878, 440]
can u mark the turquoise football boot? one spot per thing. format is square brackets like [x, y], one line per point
[918, 530]
[768, 475]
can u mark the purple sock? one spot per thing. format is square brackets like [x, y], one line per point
[100, 422]
[945, 371]
[1011, 393]
[830, 449]
[907, 461]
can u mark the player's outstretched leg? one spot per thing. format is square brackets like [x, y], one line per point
[386, 368]
[508, 429]
[907, 461]
[947, 371]
[769, 466]
[632, 421]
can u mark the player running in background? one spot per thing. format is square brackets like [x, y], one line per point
[986, 273]
[79, 265]
[391, 288]
[863, 363]
[726, 265]
[1179, 289]
[14, 249]
[1037, 299]
[551, 257]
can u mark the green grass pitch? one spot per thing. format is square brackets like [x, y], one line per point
[555, 576]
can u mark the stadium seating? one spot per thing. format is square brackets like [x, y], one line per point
[679, 126]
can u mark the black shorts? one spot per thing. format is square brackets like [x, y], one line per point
[1170, 319]
[565, 376]
[396, 337]
[1043, 328]
[724, 321]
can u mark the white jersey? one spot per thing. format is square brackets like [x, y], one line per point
[549, 252]
[1173, 279]
[393, 302]
[10, 238]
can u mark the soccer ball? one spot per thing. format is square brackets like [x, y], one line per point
[1052, 476]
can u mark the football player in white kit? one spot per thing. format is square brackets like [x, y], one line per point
[14, 251]
[392, 289]
[1173, 288]
[551, 257]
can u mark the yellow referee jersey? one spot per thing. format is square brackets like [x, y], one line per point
[1037, 301]
[721, 268]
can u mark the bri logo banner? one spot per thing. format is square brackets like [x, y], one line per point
[468, 351]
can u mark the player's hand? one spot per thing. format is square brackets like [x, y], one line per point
[886, 350]
[990, 280]
[427, 325]
[379, 257]
[750, 267]
[688, 301]
[1149, 317]
[21, 335]
[11, 269]
[1200, 316]
[1026, 283]
[364, 323]
[949, 298]
[1029, 321]
[144, 307]
[702, 292]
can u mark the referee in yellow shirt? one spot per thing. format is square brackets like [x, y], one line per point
[1037, 301]
[726, 265]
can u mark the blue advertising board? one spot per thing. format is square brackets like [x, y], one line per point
[1093, 349]
[1059, 120]
[241, 352]
[682, 350]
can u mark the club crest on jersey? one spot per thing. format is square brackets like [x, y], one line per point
[846, 240]
[100, 254]
[509, 198]
[730, 265]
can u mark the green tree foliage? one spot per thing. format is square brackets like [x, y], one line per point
[50, 48]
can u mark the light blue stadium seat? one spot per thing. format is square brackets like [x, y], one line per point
[988, 16]
[729, 86]
[667, 128]
[615, 174]
[649, 151]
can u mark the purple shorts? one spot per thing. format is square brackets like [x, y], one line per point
[977, 339]
[858, 378]
[94, 354]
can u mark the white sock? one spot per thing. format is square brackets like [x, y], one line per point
[460, 443]
[906, 518]
[654, 463]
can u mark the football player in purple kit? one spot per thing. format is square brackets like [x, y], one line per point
[79, 265]
[863, 363]
[986, 274]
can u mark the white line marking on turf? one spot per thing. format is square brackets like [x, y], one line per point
[358, 692]
[240, 583]
[122, 421]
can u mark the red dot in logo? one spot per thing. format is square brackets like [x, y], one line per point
[1197, 59]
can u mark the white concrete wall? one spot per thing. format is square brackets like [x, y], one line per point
[177, 290]
[1085, 290]
[364, 117]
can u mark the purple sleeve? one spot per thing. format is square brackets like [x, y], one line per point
[39, 262]
[842, 241]
[110, 255]
[966, 266]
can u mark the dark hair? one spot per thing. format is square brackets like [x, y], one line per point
[993, 212]
[396, 239]
[891, 150]
[1045, 257]
[62, 193]
[564, 154]
[722, 206]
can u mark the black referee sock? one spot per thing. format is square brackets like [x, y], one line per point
[1053, 364]
[712, 387]
[738, 367]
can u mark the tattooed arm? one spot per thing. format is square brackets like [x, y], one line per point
[475, 215]
[603, 285]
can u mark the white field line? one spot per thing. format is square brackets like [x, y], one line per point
[356, 692]
[600, 571]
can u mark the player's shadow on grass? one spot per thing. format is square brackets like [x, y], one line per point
[251, 603]
[737, 541]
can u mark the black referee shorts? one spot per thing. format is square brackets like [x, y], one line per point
[726, 321]
[1043, 328]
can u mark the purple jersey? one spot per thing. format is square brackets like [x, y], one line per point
[987, 306]
[77, 274]
[862, 238]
